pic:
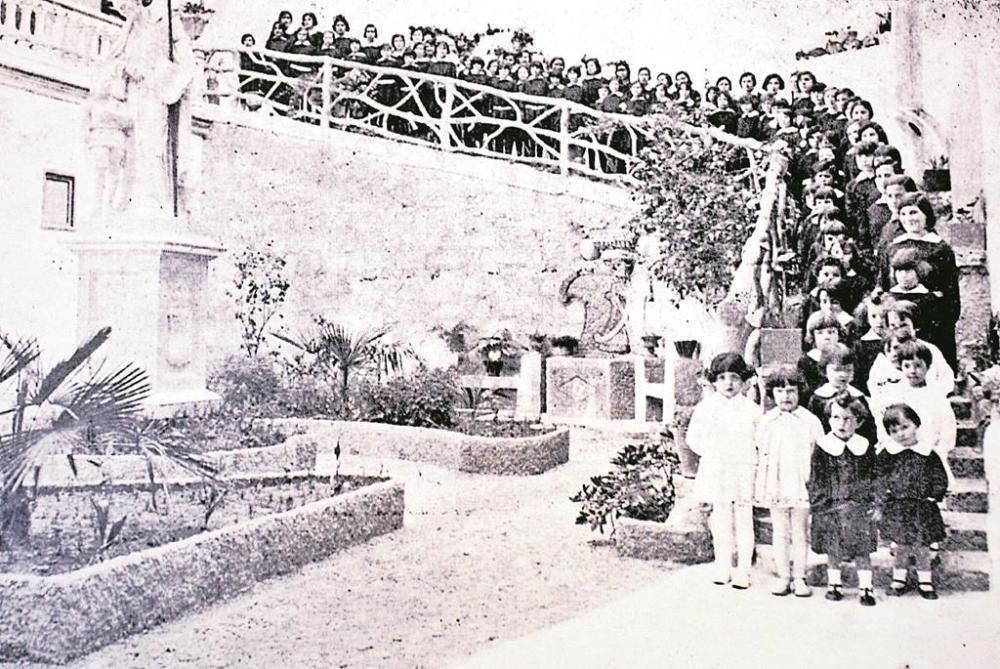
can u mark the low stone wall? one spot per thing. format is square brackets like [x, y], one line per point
[502, 456]
[297, 453]
[683, 539]
[58, 618]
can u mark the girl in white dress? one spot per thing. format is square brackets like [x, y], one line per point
[722, 433]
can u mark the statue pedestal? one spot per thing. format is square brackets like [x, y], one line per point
[149, 287]
[590, 388]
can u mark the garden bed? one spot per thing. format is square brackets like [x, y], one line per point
[513, 456]
[684, 538]
[271, 526]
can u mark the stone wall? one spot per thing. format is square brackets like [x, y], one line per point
[379, 231]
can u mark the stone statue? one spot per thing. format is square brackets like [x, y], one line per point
[153, 74]
[613, 311]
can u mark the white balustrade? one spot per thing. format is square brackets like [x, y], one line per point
[60, 28]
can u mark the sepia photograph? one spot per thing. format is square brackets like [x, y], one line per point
[514, 335]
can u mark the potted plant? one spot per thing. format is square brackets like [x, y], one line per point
[495, 349]
[937, 176]
[194, 17]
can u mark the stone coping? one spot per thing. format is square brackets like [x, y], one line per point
[61, 617]
[502, 456]
[297, 453]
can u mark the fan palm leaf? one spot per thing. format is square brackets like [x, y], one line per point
[20, 354]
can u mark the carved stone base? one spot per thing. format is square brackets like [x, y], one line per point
[590, 388]
[149, 288]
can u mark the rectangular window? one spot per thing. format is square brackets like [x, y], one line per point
[57, 201]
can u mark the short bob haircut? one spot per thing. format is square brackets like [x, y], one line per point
[914, 350]
[906, 258]
[785, 376]
[900, 180]
[865, 148]
[753, 78]
[836, 354]
[830, 261]
[847, 402]
[723, 78]
[596, 62]
[903, 309]
[920, 201]
[777, 77]
[728, 362]
[820, 320]
[340, 18]
[895, 414]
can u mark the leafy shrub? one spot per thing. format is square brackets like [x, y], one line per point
[259, 290]
[423, 399]
[641, 486]
[247, 385]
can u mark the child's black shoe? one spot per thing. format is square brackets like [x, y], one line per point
[927, 591]
[867, 597]
[898, 588]
[834, 594]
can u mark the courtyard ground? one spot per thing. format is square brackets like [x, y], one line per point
[492, 572]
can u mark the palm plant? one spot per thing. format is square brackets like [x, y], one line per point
[72, 413]
[337, 352]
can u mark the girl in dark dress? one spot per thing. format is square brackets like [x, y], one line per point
[843, 485]
[912, 482]
[592, 82]
[370, 44]
[916, 215]
[340, 28]
[837, 362]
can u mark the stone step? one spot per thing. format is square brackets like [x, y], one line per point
[968, 434]
[962, 406]
[967, 462]
[968, 495]
[966, 531]
[958, 571]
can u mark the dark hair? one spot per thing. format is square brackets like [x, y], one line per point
[553, 61]
[728, 362]
[596, 62]
[751, 75]
[890, 151]
[820, 320]
[920, 201]
[836, 354]
[906, 258]
[643, 69]
[250, 35]
[865, 148]
[846, 401]
[785, 376]
[833, 226]
[882, 136]
[684, 72]
[895, 414]
[768, 78]
[372, 26]
[340, 18]
[623, 64]
[574, 68]
[846, 91]
[818, 87]
[723, 78]
[914, 350]
[670, 80]
[312, 16]
[867, 105]
[283, 13]
[830, 261]
[903, 309]
[825, 166]
[839, 294]
[825, 192]
[747, 100]
[882, 161]
[477, 59]
[900, 180]
[410, 52]
[534, 65]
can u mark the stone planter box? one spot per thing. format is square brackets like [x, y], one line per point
[683, 539]
[61, 617]
[501, 456]
[297, 453]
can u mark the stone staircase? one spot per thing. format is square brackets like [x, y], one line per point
[964, 562]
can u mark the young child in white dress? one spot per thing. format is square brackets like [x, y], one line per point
[785, 439]
[721, 431]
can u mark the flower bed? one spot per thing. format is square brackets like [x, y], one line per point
[684, 538]
[515, 456]
[55, 618]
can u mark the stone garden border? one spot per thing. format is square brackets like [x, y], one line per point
[297, 453]
[61, 617]
[502, 456]
[683, 539]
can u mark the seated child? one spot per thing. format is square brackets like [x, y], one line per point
[869, 318]
[908, 271]
[913, 480]
[938, 428]
[843, 487]
[838, 362]
[822, 330]
[721, 431]
[785, 439]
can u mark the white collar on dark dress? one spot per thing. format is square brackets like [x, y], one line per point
[931, 237]
[834, 445]
[826, 391]
[895, 448]
[920, 289]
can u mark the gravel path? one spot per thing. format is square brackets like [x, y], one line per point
[480, 559]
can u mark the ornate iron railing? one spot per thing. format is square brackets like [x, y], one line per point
[447, 113]
[57, 27]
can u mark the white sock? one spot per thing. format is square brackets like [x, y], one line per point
[923, 577]
[833, 576]
[865, 579]
[899, 575]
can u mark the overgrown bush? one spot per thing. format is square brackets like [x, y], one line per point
[259, 290]
[641, 486]
[422, 399]
[248, 385]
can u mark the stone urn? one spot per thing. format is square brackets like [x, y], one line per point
[194, 22]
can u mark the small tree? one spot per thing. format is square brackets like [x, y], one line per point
[259, 289]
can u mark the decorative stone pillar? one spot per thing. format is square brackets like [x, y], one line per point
[150, 288]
